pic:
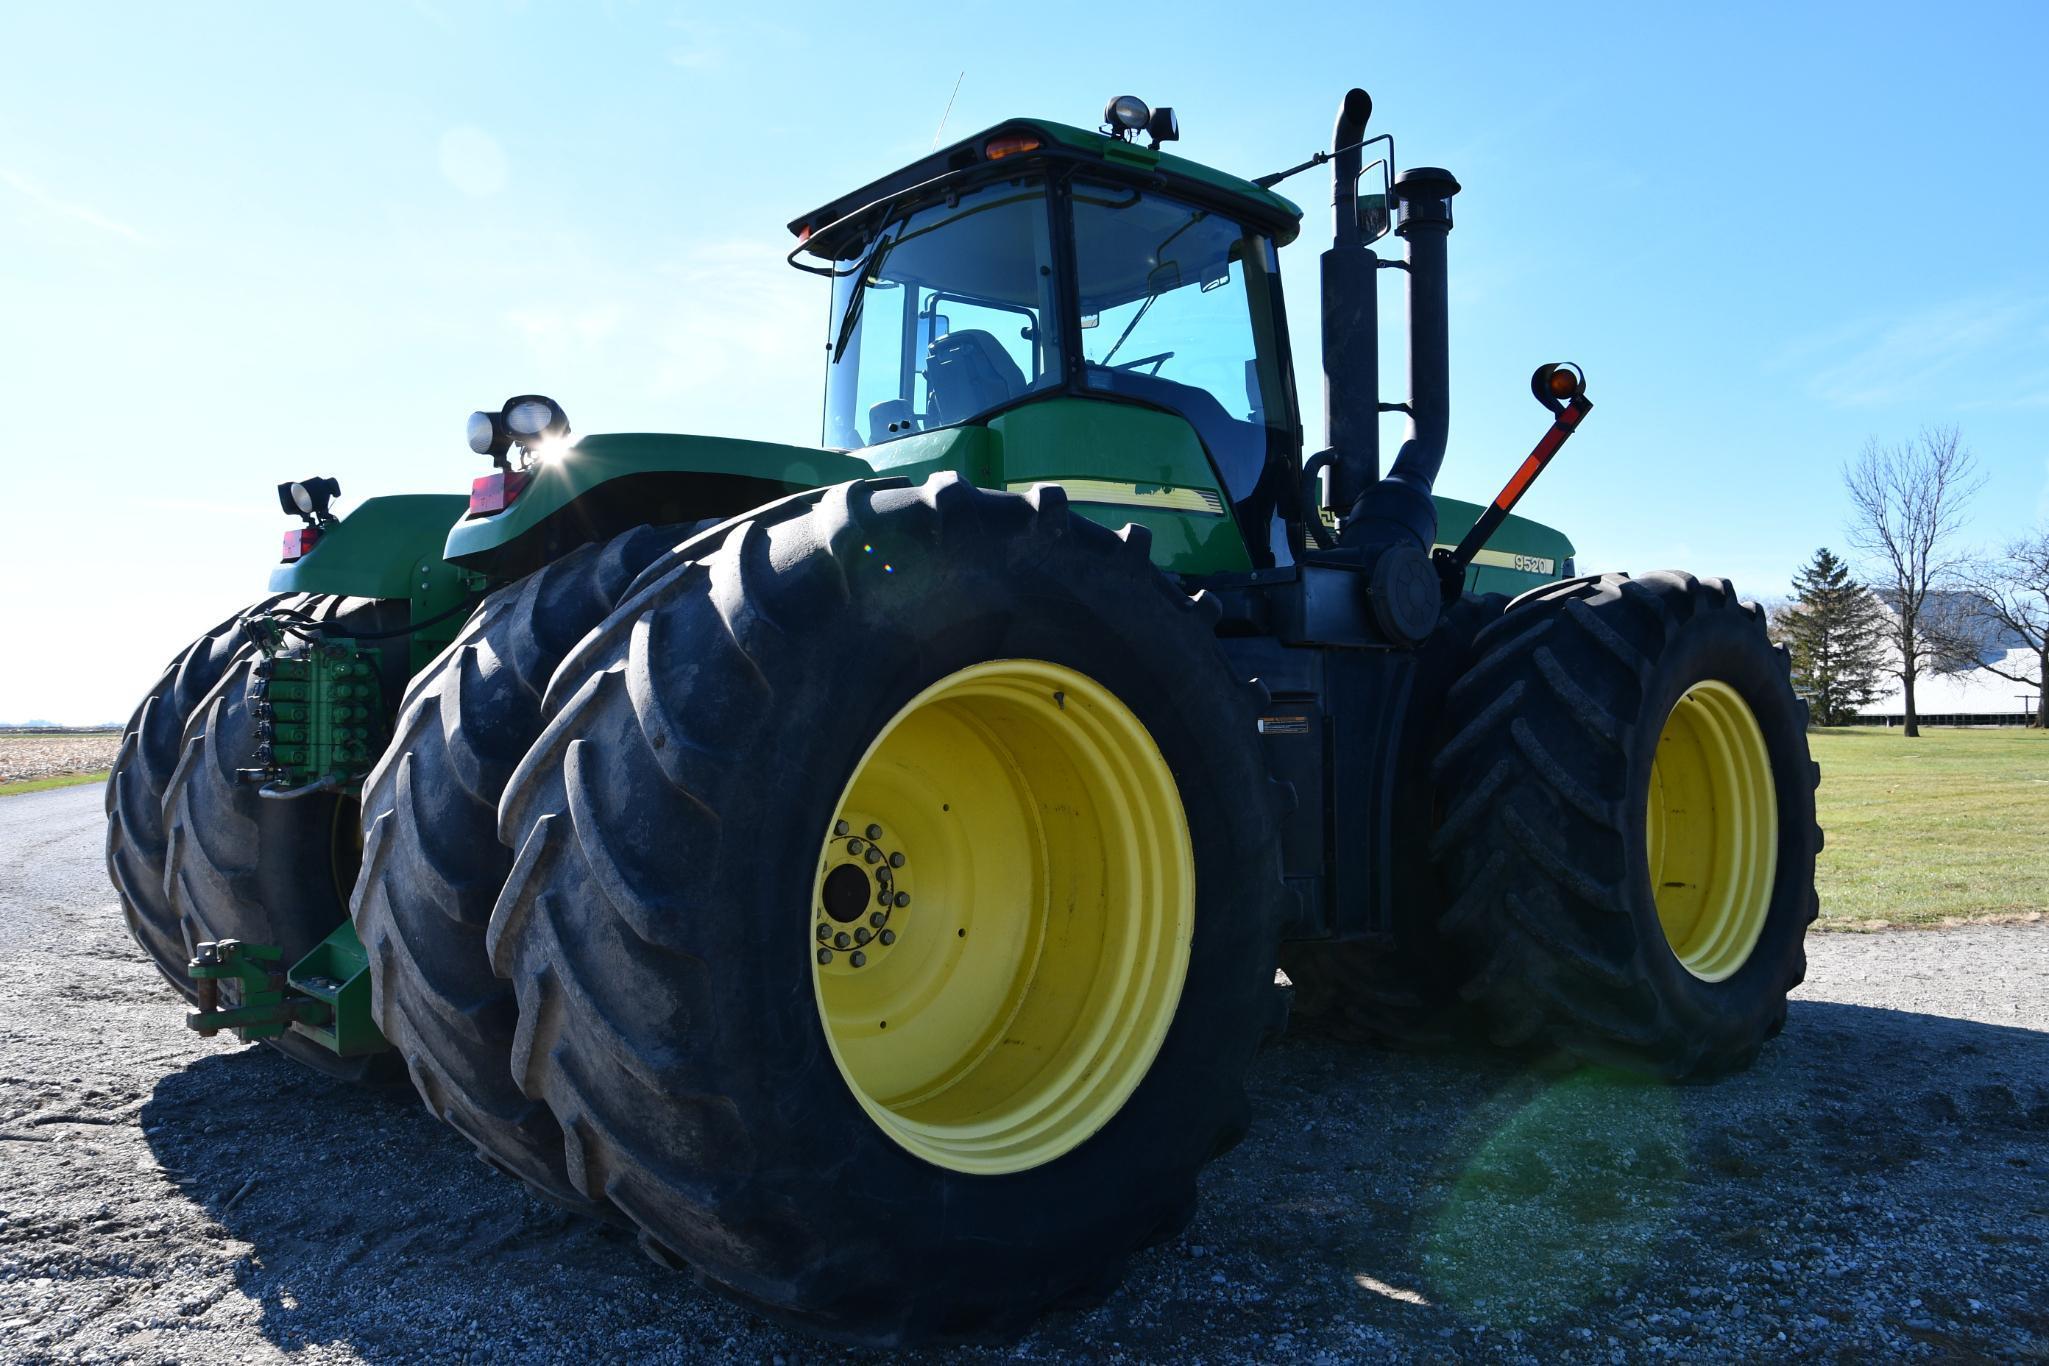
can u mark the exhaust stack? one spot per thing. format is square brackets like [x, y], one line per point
[1399, 506]
[1351, 321]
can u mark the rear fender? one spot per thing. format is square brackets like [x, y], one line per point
[606, 484]
[380, 550]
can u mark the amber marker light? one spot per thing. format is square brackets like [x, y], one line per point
[1009, 145]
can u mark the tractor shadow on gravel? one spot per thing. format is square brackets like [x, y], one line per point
[1878, 1173]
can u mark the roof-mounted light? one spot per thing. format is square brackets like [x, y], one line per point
[1128, 115]
[1125, 115]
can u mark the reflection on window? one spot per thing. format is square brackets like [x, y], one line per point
[944, 316]
[1173, 299]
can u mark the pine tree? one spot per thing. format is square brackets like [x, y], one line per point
[1835, 629]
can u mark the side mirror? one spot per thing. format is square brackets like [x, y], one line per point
[931, 327]
[1376, 207]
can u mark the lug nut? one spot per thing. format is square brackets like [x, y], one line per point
[824, 932]
[825, 955]
[842, 939]
[840, 827]
[853, 846]
[858, 959]
[882, 897]
[878, 918]
[874, 832]
[887, 937]
[896, 860]
[903, 899]
[873, 855]
[861, 936]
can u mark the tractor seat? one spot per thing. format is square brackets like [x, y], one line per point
[969, 372]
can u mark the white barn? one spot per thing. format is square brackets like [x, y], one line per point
[1973, 697]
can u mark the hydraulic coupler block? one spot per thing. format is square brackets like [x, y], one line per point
[319, 717]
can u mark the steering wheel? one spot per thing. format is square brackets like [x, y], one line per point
[1155, 361]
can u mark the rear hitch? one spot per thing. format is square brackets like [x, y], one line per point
[325, 996]
[1562, 388]
[266, 1009]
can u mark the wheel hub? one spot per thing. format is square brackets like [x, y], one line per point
[863, 892]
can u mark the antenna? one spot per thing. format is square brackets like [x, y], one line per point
[948, 111]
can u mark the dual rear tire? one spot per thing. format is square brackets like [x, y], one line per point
[1005, 720]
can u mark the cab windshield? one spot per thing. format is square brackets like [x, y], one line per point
[947, 313]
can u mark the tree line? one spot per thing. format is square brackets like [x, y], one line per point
[1927, 603]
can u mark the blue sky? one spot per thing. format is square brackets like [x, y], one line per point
[240, 243]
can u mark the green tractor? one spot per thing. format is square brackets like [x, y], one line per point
[862, 869]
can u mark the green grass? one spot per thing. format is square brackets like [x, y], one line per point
[1947, 829]
[21, 785]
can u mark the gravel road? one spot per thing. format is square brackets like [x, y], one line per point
[1877, 1186]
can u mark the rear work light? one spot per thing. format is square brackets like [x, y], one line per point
[299, 540]
[496, 492]
[1009, 145]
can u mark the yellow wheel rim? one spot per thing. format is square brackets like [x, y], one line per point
[1712, 830]
[1002, 916]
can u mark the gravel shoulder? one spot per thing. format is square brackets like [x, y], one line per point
[1877, 1186]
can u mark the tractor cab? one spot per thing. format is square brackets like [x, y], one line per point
[1037, 262]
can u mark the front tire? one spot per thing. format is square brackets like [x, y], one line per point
[433, 866]
[1046, 731]
[1628, 835]
[150, 747]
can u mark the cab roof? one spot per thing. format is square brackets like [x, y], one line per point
[1275, 214]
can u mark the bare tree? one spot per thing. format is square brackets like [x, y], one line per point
[2009, 591]
[1908, 505]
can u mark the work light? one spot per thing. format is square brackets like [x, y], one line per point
[525, 420]
[308, 498]
[532, 416]
[487, 437]
[1127, 114]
